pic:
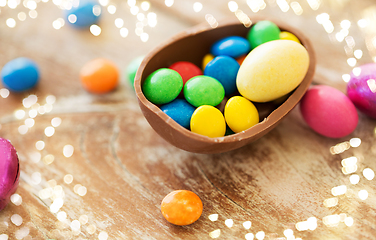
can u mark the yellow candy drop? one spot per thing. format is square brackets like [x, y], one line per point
[208, 121]
[288, 36]
[240, 114]
[207, 58]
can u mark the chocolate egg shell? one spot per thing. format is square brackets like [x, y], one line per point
[192, 45]
[9, 172]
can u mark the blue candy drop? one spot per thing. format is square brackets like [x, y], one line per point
[224, 69]
[20, 74]
[180, 111]
[84, 15]
[233, 46]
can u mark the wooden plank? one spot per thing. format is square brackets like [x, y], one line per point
[122, 169]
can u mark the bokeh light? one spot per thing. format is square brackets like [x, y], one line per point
[145, 5]
[363, 194]
[111, 9]
[169, 3]
[197, 6]
[124, 32]
[11, 22]
[232, 6]
[95, 30]
[119, 22]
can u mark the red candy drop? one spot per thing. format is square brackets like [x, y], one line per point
[187, 70]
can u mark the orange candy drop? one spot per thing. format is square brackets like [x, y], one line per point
[99, 76]
[181, 207]
[240, 59]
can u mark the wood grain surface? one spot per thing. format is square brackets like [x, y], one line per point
[122, 169]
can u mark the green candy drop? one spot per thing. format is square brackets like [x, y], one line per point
[262, 32]
[203, 90]
[162, 86]
[132, 69]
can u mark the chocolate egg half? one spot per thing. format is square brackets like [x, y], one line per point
[191, 46]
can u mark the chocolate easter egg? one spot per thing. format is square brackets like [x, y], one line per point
[9, 171]
[361, 89]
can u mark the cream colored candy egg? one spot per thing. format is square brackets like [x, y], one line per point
[272, 70]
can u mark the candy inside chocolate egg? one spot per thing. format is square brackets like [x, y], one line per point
[9, 172]
[192, 45]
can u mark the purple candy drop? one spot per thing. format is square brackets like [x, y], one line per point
[9, 171]
[361, 89]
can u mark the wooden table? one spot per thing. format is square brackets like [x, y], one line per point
[121, 169]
